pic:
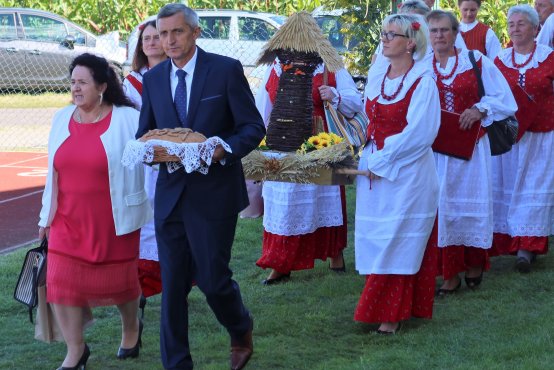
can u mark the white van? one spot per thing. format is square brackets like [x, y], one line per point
[234, 33]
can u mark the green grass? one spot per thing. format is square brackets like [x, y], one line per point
[307, 323]
[44, 100]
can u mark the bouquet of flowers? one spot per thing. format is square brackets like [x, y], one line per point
[319, 141]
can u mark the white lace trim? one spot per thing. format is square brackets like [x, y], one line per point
[193, 156]
[298, 209]
[466, 239]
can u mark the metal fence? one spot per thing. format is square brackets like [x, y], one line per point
[36, 50]
[37, 47]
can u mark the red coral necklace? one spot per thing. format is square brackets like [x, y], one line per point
[528, 59]
[439, 75]
[393, 96]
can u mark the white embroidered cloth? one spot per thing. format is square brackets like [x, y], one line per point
[193, 156]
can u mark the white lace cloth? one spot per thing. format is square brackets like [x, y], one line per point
[193, 156]
[465, 198]
[298, 209]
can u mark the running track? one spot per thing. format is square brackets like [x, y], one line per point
[22, 178]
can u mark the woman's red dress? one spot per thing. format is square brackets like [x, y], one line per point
[88, 265]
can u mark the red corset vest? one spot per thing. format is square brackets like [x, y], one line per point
[387, 119]
[536, 115]
[464, 91]
[476, 38]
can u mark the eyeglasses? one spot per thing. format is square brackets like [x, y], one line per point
[389, 36]
[435, 31]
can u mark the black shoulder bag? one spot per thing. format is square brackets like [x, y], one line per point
[502, 134]
[32, 275]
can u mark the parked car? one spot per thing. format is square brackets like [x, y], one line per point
[36, 48]
[331, 24]
[234, 33]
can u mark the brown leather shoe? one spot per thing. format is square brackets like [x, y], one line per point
[242, 349]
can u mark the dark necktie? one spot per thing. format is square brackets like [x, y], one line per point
[181, 97]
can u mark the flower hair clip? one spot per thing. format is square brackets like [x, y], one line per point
[416, 26]
[142, 26]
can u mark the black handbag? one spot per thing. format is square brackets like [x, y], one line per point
[32, 275]
[502, 134]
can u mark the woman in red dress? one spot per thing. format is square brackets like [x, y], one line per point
[523, 178]
[93, 209]
[305, 222]
[149, 53]
[396, 204]
[477, 35]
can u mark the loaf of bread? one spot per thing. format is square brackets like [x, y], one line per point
[176, 135]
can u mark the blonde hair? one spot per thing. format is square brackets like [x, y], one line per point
[414, 27]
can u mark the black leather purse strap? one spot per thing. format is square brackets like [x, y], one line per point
[477, 71]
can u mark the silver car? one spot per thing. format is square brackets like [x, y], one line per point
[36, 48]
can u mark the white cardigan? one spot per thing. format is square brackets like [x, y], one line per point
[130, 206]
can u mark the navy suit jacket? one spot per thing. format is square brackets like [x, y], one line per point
[220, 104]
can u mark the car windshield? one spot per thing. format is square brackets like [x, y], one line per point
[331, 26]
[279, 19]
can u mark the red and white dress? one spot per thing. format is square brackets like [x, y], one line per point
[524, 177]
[395, 214]
[465, 219]
[304, 222]
[149, 267]
[479, 36]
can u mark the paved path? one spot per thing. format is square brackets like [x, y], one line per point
[23, 176]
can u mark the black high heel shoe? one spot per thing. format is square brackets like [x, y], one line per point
[81, 365]
[339, 269]
[474, 282]
[124, 353]
[444, 292]
[277, 280]
[142, 304]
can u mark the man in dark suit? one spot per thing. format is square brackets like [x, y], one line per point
[196, 214]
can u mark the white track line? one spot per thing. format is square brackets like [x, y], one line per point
[14, 247]
[21, 196]
[26, 160]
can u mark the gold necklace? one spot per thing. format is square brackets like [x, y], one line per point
[78, 116]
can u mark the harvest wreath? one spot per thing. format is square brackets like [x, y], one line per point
[330, 161]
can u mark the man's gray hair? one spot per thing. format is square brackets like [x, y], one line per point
[441, 14]
[415, 7]
[191, 18]
[529, 11]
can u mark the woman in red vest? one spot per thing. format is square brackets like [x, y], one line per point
[305, 222]
[465, 221]
[524, 177]
[477, 35]
[396, 204]
[148, 53]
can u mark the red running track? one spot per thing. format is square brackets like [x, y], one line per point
[22, 178]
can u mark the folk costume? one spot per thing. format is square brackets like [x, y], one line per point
[524, 177]
[465, 222]
[395, 214]
[149, 267]
[479, 36]
[303, 222]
